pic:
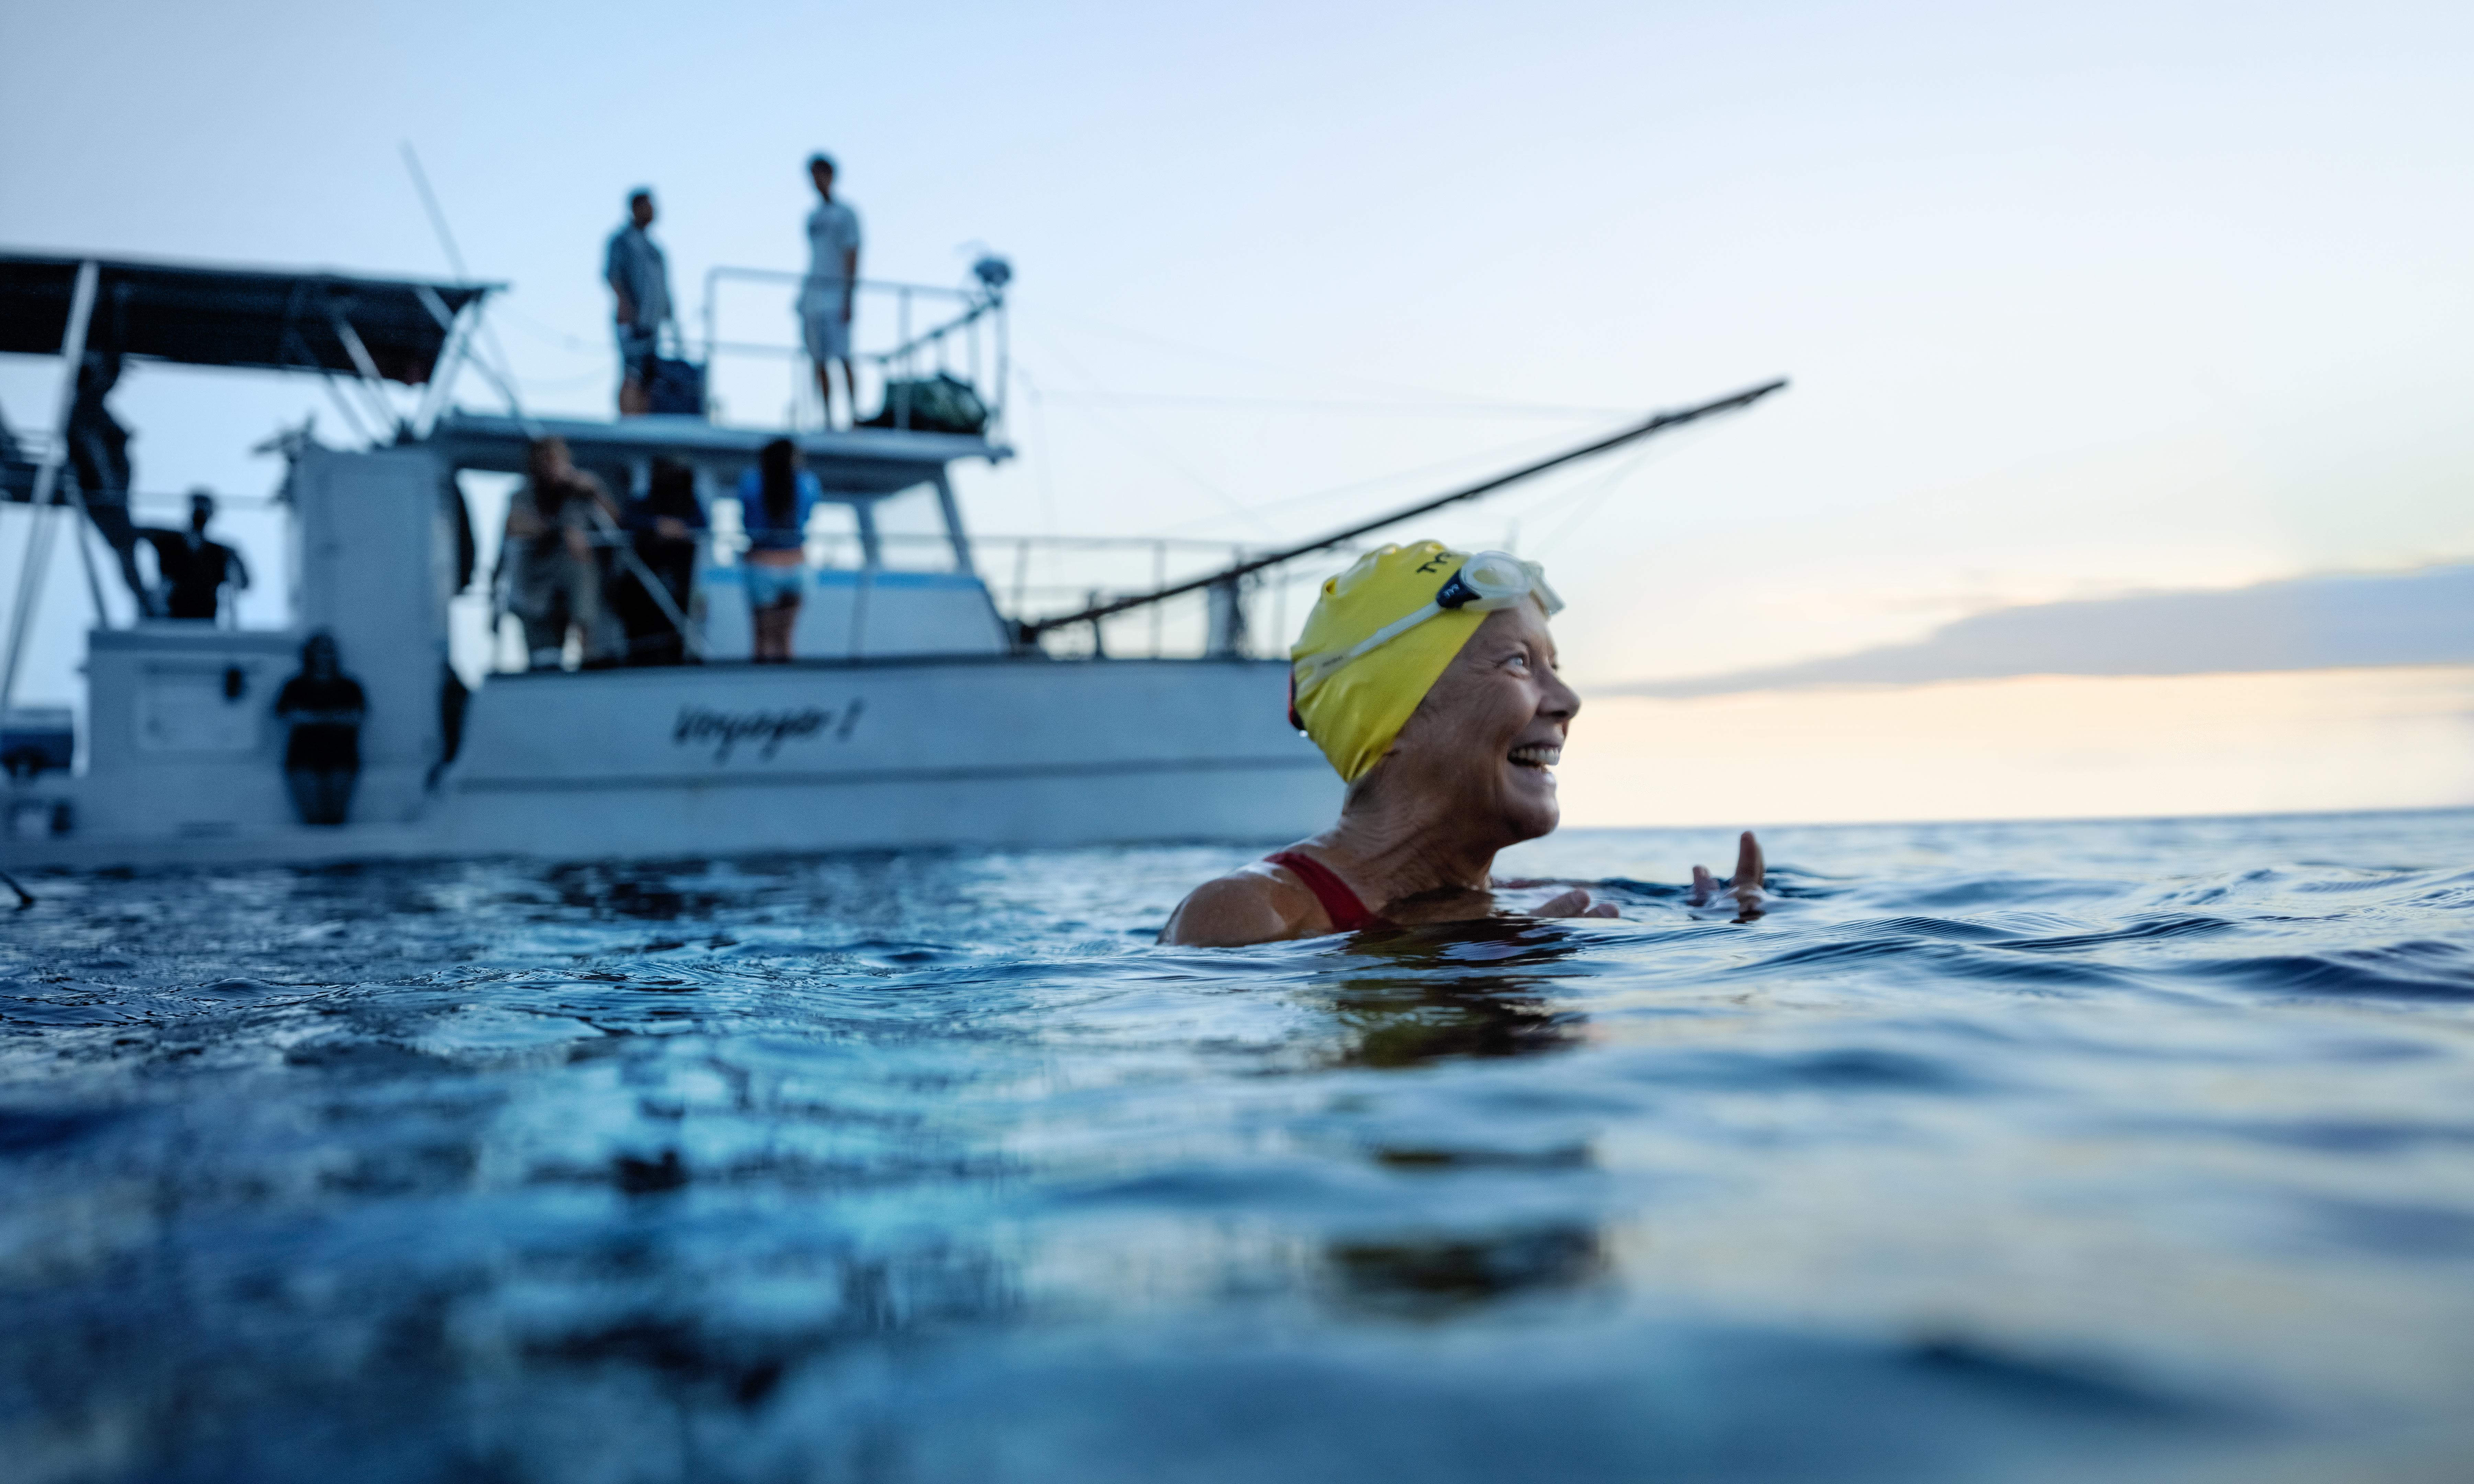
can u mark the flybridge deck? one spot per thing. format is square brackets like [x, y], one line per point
[923, 710]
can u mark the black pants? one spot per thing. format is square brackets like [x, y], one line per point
[322, 796]
[651, 637]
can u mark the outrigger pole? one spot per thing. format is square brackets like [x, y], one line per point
[1027, 632]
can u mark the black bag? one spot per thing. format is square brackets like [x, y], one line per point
[942, 403]
[675, 387]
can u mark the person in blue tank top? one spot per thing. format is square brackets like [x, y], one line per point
[775, 500]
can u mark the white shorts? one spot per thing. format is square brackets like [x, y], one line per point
[828, 335]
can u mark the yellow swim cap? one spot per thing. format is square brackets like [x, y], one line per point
[1382, 633]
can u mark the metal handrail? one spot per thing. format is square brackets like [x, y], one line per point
[984, 302]
[845, 553]
[885, 285]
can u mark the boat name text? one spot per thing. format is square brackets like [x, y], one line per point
[766, 731]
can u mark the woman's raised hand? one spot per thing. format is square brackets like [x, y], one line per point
[1751, 875]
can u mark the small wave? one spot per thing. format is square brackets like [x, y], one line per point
[2390, 973]
[2137, 932]
[1973, 1160]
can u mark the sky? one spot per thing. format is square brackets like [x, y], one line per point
[2423, 617]
[2077, 302]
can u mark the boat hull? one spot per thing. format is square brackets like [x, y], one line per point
[732, 759]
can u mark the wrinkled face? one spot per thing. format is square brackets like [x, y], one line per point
[1489, 733]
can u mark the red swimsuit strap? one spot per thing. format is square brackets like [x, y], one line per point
[1347, 914]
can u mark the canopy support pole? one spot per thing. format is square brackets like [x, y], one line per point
[372, 385]
[30, 576]
[1227, 628]
[295, 345]
[954, 531]
[86, 560]
[871, 546]
[458, 326]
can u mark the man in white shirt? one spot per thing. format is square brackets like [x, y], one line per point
[832, 273]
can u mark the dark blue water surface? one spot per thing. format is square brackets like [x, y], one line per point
[2030, 1151]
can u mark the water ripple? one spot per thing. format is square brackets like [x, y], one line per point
[2128, 1149]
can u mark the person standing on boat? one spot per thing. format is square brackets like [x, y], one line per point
[549, 557]
[99, 457]
[825, 301]
[663, 525]
[324, 708]
[775, 500]
[195, 570]
[1428, 677]
[639, 277]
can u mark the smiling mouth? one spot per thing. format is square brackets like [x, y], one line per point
[1541, 755]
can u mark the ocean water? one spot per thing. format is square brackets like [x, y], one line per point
[2130, 1150]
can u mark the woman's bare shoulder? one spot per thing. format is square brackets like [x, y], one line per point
[1258, 902]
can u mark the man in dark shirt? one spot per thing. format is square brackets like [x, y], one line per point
[664, 526]
[322, 759]
[196, 569]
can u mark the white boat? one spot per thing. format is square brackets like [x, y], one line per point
[918, 714]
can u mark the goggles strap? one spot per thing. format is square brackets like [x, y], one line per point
[1311, 670]
[1455, 595]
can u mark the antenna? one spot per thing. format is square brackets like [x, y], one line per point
[437, 218]
[503, 374]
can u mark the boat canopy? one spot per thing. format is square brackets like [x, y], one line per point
[852, 464]
[266, 319]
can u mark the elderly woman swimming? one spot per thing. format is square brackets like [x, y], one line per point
[1427, 676]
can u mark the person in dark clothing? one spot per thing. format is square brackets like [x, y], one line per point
[194, 568]
[549, 560]
[663, 527]
[99, 457]
[324, 708]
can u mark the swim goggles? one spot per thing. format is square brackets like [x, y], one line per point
[1485, 582]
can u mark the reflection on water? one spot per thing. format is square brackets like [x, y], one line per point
[1390, 1024]
[2002, 1151]
[1447, 1274]
[1453, 992]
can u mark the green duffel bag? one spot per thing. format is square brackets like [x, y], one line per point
[942, 403]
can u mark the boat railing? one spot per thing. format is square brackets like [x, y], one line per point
[1028, 578]
[935, 330]
[1034, 576]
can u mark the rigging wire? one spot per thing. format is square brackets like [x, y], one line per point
[1161, 450]
[1492, 454]
[1204, 401]
[544, 331]
[1589, 503]
[1207, 353]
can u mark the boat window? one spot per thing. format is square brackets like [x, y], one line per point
[912, 525]
[833, 531]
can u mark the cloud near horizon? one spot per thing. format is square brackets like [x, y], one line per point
[2425, 616]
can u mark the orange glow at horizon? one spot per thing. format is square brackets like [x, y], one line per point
[2030, 747]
